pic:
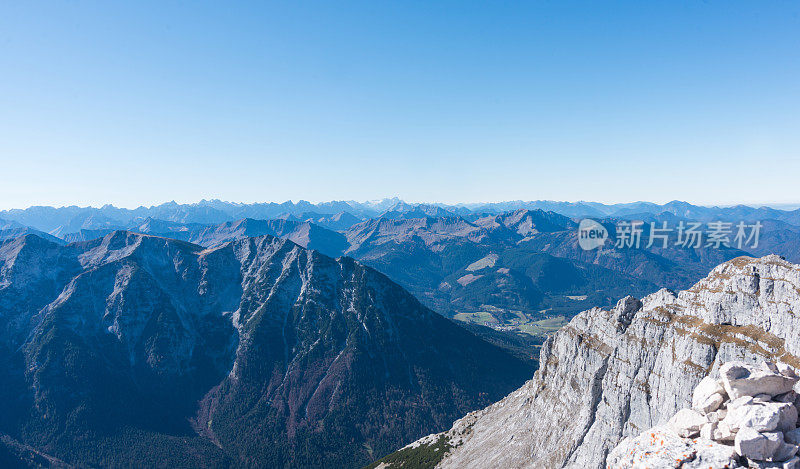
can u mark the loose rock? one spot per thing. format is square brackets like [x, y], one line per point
[759, 446]
[754, 429]
[740, 379]
[687, 422]
[708, 395]
[661, 447]
[756, 416]
[785, 452]
[793, 436]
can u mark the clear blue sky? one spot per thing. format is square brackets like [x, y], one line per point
[143, 102]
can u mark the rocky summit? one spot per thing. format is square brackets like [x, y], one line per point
[611, 374]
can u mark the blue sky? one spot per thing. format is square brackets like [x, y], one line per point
[144, 102]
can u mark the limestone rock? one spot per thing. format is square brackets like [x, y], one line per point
[793, 436]
[661, 447]
[787, 371]
[759, 446]
[755, 425]
[709, 431]
[742, 380]
[708, 395]
[609, 375]
[789, 397]
[740, 401]
[757, 416]
[716, 429]
[724, 433]
[788, 415]
[793, 463]
[687, 422]
[625, 310]
[712, 403]
[785, 452]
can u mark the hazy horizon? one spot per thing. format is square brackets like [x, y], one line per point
[778, 206]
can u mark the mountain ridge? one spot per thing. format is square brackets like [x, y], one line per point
[325, 359]
[65, 220]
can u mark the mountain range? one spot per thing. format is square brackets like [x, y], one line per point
[178, 336]
[339, 215]
[254, 352]
[521, 270]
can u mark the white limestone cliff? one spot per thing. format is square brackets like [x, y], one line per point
[610, 375]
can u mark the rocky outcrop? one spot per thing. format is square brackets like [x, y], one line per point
[609, 375]
[745, 418]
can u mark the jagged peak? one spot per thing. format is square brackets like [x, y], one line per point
[662, 298]
[624, 311]
[770, 259]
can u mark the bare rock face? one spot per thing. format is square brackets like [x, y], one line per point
[609, 375]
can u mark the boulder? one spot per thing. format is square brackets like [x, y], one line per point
[708, 395]
[789, 397]
[787, 415]
[687, 422]
[758, 446]
[793, 463]
[717, 431]
[740, 401]
[787, 371]
[785, 452]
[709, 454]
[715, 416]
[710, 431]
[793, 436]
[724, 433]
[740, 379]
[710, 403]
[748, 414]
[761, 417]
[660, 447]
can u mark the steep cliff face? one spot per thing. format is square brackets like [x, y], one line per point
[613, 374]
